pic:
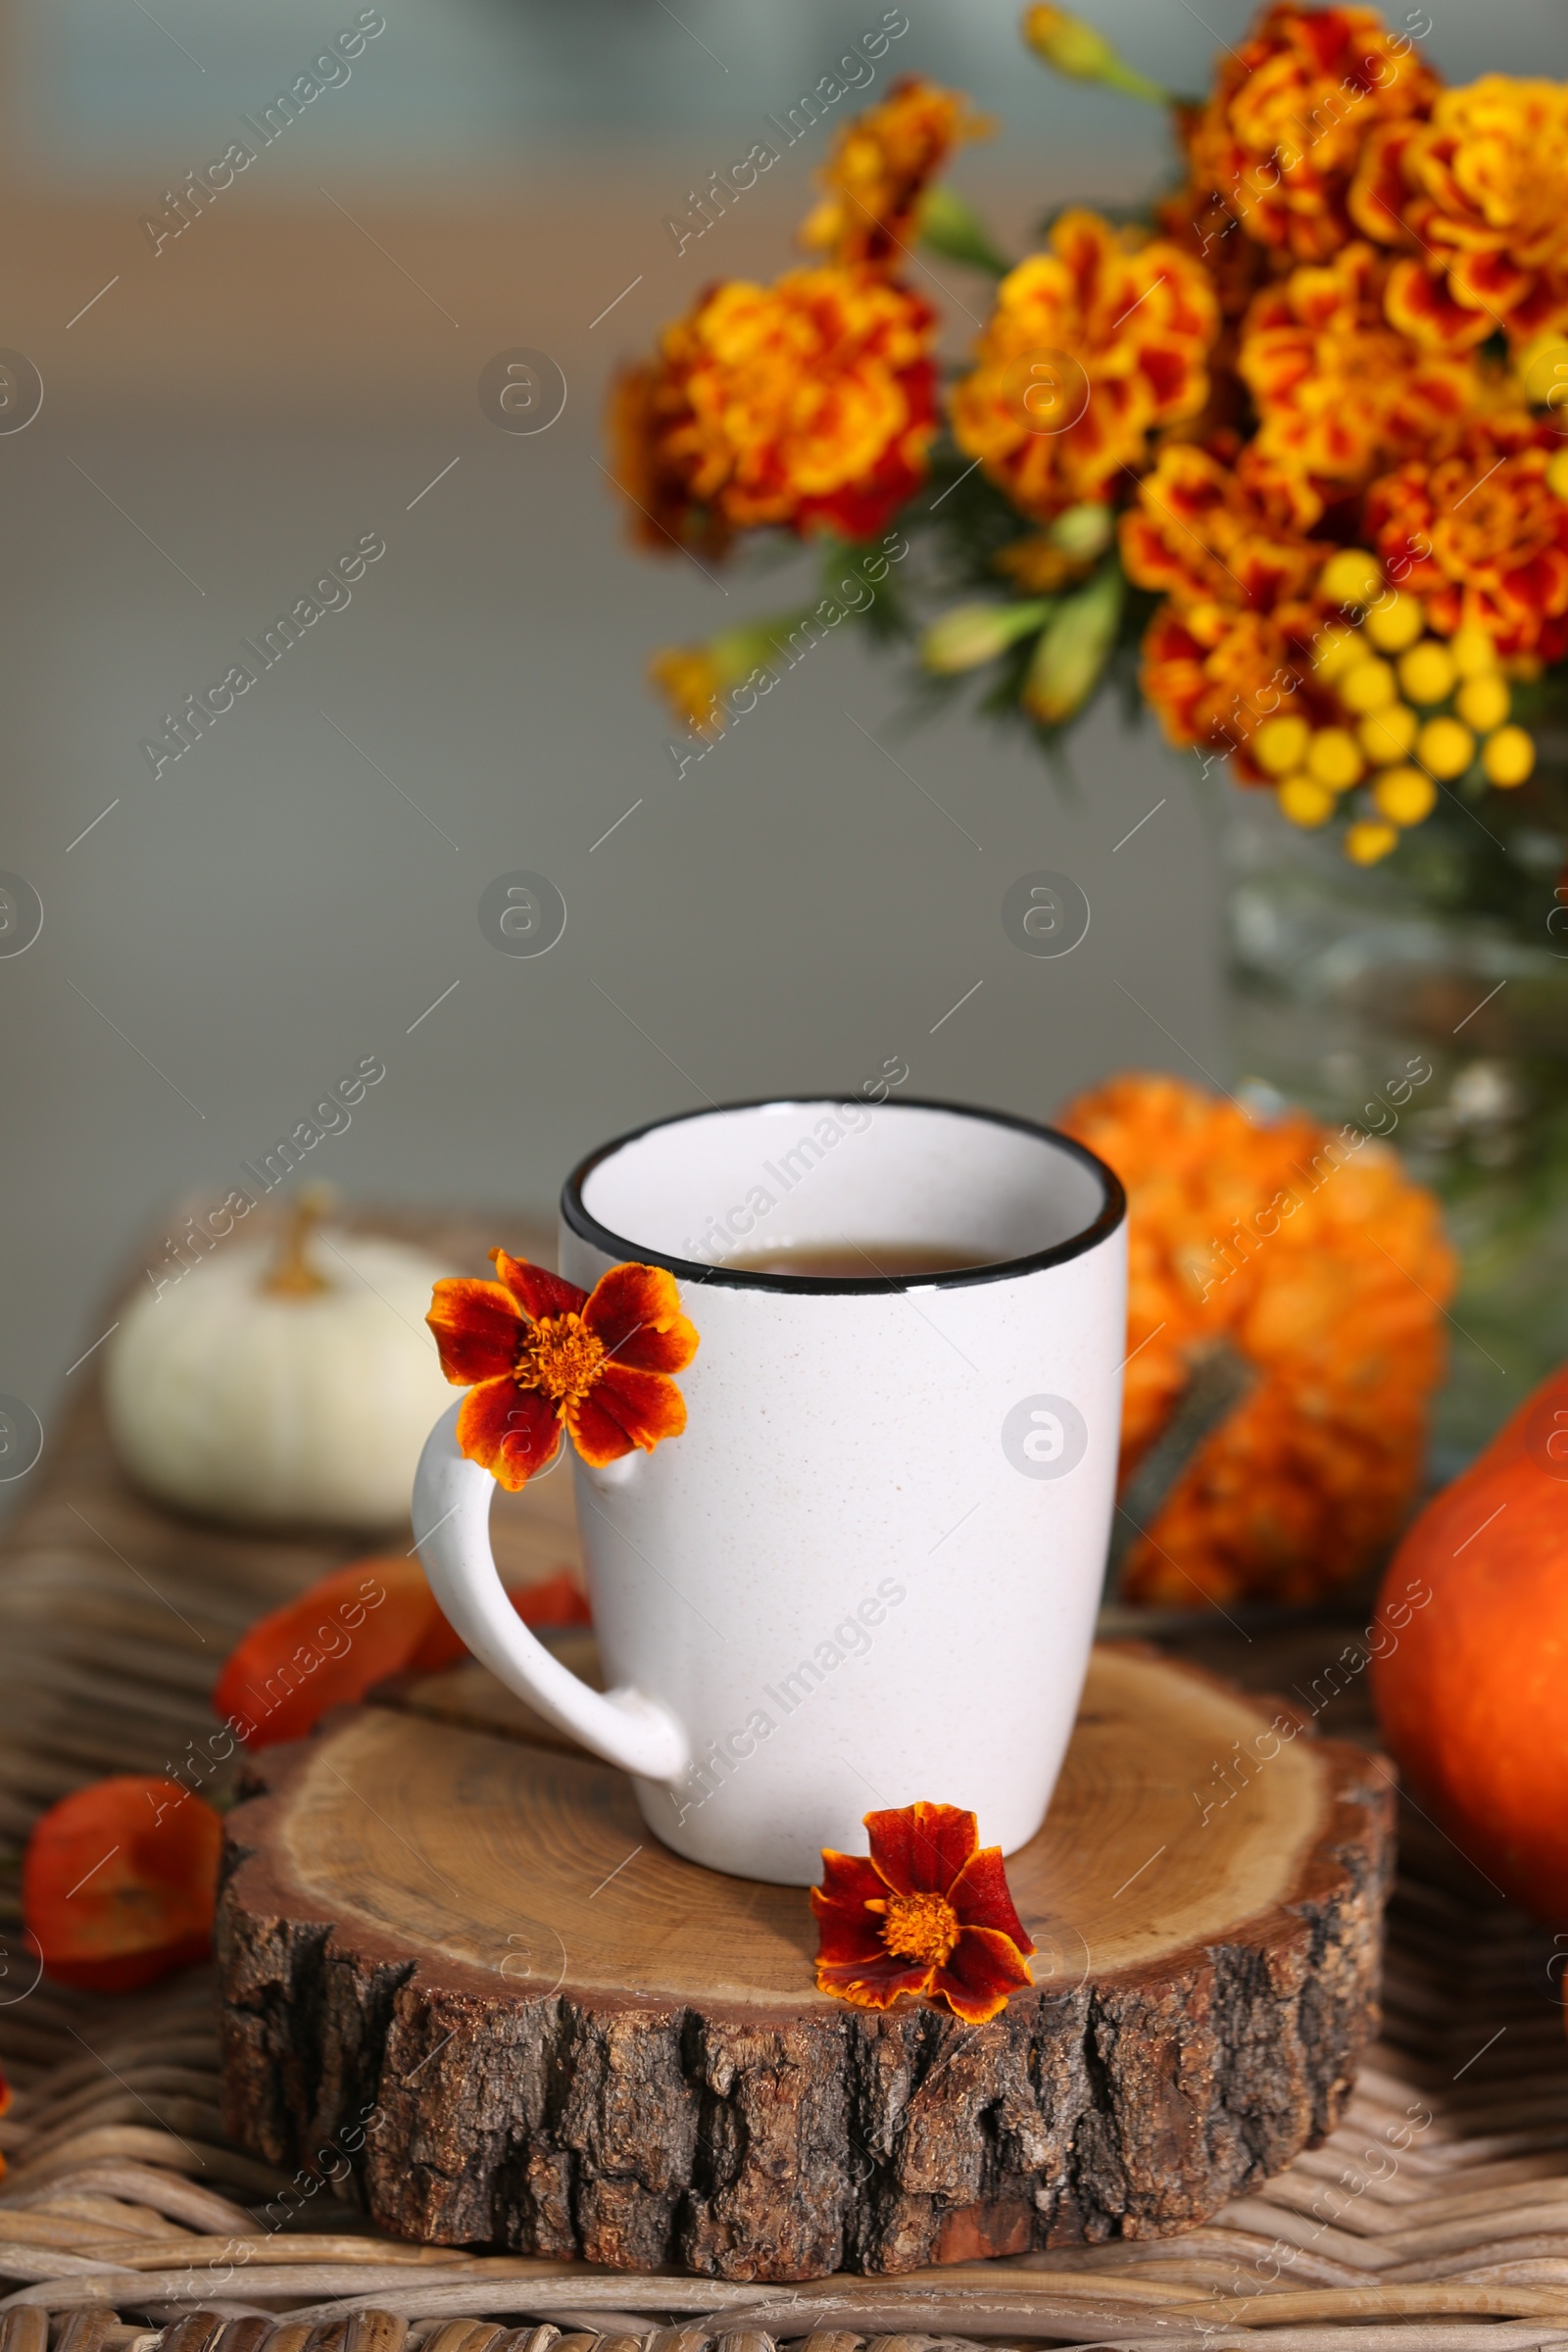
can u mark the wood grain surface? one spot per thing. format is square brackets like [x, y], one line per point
[575, 2041]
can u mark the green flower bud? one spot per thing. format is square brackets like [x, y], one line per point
[1076, 49]
[972, 634]
[1074, 648]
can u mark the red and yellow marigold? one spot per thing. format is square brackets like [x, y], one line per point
[1337, 391]
[880, 167]
[809, 405]
[1092, 346]
[538, 1355]
[1232, 644]
[928, 1911]
[1478, 198]
[1317, 1259]
[1481, 536]
[1292, 105]
[1209, 532]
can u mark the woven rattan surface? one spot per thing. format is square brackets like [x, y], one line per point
[1435, 2216]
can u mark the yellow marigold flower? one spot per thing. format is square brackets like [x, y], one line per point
[1472, 652]
[1395, 622]
[1365, 842]
[1388, 734]
[1305, 803]
[1333, 759]
[1508, 756]
[1351, 577]
[1478, 196]
[1541, 371]
[1337, 650]
[1279, 745]
[1426, 671]
[1404, 796]
[689, 679]
[1292, 108]
[1092, 346]
[1337, 391]
[1444, 748]
[1368, 686]
[1483, 703]
[880, 167]
[694, 677]
[810, 404]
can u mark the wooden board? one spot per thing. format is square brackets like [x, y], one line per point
[568, 2041]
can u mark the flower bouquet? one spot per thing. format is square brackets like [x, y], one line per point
[1285, 459]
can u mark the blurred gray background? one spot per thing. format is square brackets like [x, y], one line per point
[226, 416]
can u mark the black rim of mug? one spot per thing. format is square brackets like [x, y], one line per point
[582, 1222]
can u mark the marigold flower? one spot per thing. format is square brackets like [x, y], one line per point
[1481, 536]
[693, 677]
[1092, 346]
[880, 167]
[1337, 391]
[537, 1354]
[1321, 1262]
[810, 404]
[1207, 532]
[1292, 108]
[1212, 674]
[1478, 196]
[120, 1883]
[1232, 647]
[927, 1912]
[691, 681]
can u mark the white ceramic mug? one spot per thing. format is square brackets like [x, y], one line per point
[868, 1570]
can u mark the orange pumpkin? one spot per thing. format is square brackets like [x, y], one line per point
[1310, 1252]
[1471, 1693]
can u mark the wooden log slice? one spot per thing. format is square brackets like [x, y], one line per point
[457, 1966]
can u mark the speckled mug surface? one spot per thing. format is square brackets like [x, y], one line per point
[868, 1571]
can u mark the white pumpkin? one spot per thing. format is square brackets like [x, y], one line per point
[267, 1386]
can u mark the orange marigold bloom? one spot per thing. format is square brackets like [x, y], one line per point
[1091, 346]
[1209, 532]
[1202, 224]
[1231, 646]
[1337, 391]
[537, 1354]
[1484, 539]
[927, 1912]
[1212, 674]
[1315, 1257]
[880, 167]
[1479, 195]
[691, 682]
[1292, 108]
[810, 404]
[120, 1883]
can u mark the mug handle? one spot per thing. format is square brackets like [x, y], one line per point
[452, 1500]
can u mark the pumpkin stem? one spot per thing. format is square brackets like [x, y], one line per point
[291, 1274]
[1220, 1380]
